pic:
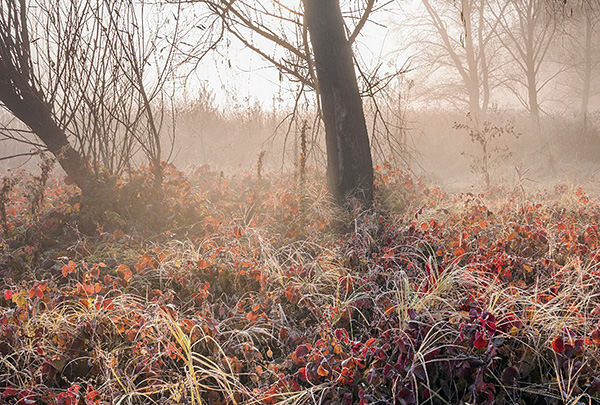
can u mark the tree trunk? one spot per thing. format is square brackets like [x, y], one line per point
[349, 163]
[473, 82]
[28, 106]
[20, 95]
[587, 73]
[485, 73]
[532, 94]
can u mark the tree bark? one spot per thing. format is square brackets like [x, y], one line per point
[473, 83]
[28, 106]
[349, 162]
[20, 95]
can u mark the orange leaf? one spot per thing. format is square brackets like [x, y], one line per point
[459, 252]
[124, 272]
[88, 288]
[370, 341]
[321, 371]
[596, 336]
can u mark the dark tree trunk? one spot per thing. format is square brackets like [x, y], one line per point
[20, 95]
[349, 163]
[28, 106]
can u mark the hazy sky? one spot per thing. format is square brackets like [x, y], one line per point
[251, 77]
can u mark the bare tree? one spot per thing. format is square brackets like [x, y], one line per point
[460, 36]
[90, 80]
[314, 47]
[22, 93]
[582, 33]
[528, 28]
[349, 164]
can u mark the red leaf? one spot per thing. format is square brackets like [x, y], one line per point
[558, 345]
[36, 292]
[8, 295]
[91, 396]
[480, 340]
[10, 392]
[509, 374]
[301, 351]
[108, 304]
[342, 335]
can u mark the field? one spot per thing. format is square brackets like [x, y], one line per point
[253, 289]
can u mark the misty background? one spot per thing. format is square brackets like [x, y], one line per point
[530, 72]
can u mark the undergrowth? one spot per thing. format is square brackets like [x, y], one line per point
[237, 290]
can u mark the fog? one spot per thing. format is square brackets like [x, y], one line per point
[422, 67]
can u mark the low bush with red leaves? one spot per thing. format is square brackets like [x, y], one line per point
[244, 290]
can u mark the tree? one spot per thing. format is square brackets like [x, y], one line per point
[527, 33]
[78, 76]
[349, 163]
[460, 35]
[581, 29]
[317, 53]
[22, 94]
